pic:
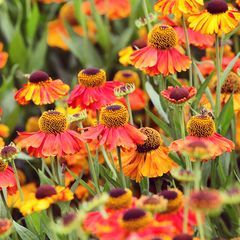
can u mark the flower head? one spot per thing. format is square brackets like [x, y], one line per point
[231, 84]
[160, 55]
[216, 18]
[7, 177]
[183, 236]
[124, 90]
[41, 89]
[3, 56]
[179, 95]
[92, 92]
[53, 129]
[127, 76]
[149, 159]
[232, 195]
[182, 175]
[9, 153]
[5, 227]
[114, 129]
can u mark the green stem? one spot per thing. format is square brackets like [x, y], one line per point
[218, 90]
[145, 9]
[200, 225]
[188, 51]
[186, 208]
[110, 165]
[17, 180]
[129, 109]
[197, 172]
[120, 167]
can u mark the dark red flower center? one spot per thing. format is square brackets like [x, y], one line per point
[134, 213]
[45, 191]
[127, 74]
[151, 201]
[117, 192]
[91, 71]
[216, 6]
[169, 195]
[183, 237]
[38, 76]
[113, 107]
[8, 151]
[179, 93]
[69, 218]
[138, 44]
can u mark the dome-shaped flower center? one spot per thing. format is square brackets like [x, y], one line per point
[135, 218]
[127, 76]
[152, 142]
[114, 115]
[8, 151]
[45, 191]
[52, 122]
[91, 77]
[183, 237]
[3, 165]
[38, 76]
[169, 195]
[117, 192]
[69, 218]
[231, 84]
[216, 6]
[201, 126]
[162, 37]
[179, 93]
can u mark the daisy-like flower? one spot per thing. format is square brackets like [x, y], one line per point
[182, 175]
[179, 95]
[149, 159]
[202, 128]
[177, 7]
[3, 56]
[216, 18]
[5, 228]
[41, 89]
[207, 201]
[161, 56]
[9, 152]
[232, 195]
[7, 177]
[44, 196]
[92, 92]
[114, 129]
[53, 138]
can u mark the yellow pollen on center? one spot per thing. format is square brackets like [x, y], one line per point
[115, 115]
[162, 37]
[3, 165]
[201, 126]
[53, 122]
[92, 77]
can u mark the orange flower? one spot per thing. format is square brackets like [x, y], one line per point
[202, 128]
[117, 9]
[92, 92]
[51, 1]
[114, 129]
[179, 95]
[161, 55]
[53, 139]
[177, 7]
[5, 228]
[4, 130]
[3, 56]
[41, 89]
[57, 32]
[149, 159]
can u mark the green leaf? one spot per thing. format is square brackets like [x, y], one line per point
[44, 179]
[202, 89]
[174, 156]
[228, 69]
[18, 52]
[106, 174]
[226, 115]
[159, 122]
[24, 233]
[173, 81]
[154, 96]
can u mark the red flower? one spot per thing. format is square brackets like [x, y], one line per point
[41, 89]
[161, 55]
[93, 92]
[7, 178]
[178, 95]
[53, 139]
[114, 129]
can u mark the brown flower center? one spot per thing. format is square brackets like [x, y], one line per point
[114, 115]
[3, 165]
[53, 122]
[231, 84]
[169, 195]
[201, 126]
[69, 218]
[8, 151]
[179, 93]
[117, 192]
[152, 142]
[91, 77]
[38, 76]
[216, 6]
[162, 37]
[183, 237]
[45, 191]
